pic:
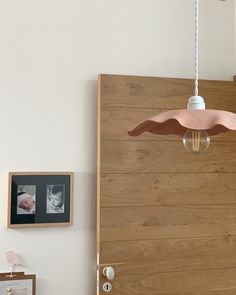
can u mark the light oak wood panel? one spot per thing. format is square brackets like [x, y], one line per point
[160, 222]
[207, 282]
[149, 92]
[136, 257]
[115, 123]
[98, 184]
[167, 232]
[167, 218]
[215, 292]
[167, 189]
[164, 156]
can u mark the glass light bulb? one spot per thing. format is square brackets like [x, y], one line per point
[196, 141]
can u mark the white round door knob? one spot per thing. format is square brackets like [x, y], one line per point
[109, 272]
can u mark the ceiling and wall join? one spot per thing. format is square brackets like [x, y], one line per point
[50, 54]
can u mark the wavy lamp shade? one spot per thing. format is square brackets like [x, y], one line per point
[195, 124]
[177, 122]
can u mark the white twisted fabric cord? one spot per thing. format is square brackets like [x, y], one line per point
[196, 45]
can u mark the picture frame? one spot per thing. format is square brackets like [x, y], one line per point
[17, 284]
[40, 199]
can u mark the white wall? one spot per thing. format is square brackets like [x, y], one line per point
[234, 38]
[50, 54]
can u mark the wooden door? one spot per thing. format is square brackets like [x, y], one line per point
[166, 219]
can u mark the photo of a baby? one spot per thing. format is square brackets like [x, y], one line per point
[55, 198]
[26, 198]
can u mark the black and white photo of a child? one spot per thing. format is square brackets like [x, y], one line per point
[55, 198]
[26, 197]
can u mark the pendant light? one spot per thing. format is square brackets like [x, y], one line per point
[194, 124]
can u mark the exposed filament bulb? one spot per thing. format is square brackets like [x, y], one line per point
[196, 141]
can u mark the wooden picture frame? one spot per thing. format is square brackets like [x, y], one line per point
[17, 283]
[40, 199]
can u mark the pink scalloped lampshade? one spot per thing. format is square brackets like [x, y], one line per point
[195, 117]
[176, 122]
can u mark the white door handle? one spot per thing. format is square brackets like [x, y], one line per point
[109, 272]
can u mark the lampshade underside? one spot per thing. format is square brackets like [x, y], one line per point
[176, 122]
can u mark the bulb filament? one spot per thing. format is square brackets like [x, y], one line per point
[196, 139]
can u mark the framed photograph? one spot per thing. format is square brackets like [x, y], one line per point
[40, 199]
[17, 284]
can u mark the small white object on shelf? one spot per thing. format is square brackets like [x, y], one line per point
[13, 259]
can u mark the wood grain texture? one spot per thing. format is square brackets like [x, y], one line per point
[163, 93]
[161, 222]
[115, 123]
[207, 282]
[165, 156]
[136, 257]
[168, 218]
[98, 168]
[121, 190]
